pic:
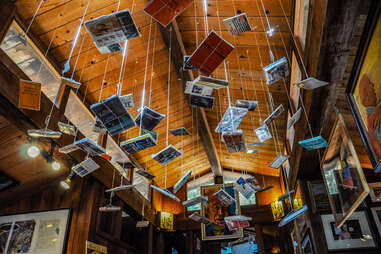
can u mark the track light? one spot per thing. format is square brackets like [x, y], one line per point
[67, 182]
[33, 151]
[56, 165]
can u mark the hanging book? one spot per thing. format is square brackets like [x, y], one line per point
[112, 29]
[167, 155]
[150, 117]
[113, 115]
[263, 133]
[252, 180]
[244, 188]
[44, 133]
[92, 248]
[274, 114]
[311, 83]
[210, 53]
[211, 82]
[85, 167]
[224, 197]
[196, 100]
[194, 201]
[238, 24]
[153, 134]
[126, 165]
[180, 183]
[70, 82]
[121, 188]
[192, 88]
[165, 192]
[179, 132]
[66, 128]
[265, 188]
[313, 143]
[231, 119]
[109, 48]
[142, 224]
[90, 147]
[68, 149]
[249, 105]
[235, 141]
[276, 71]
[127, 100]
[286, 195]
[145, 174]
[109, 209]
[295, 117]
[137, 144]
[164, 11]
[29, 95]
[187, 66]
[278, 161]
[237, 221]
[199, 218]
[98, 126]
[293, 215]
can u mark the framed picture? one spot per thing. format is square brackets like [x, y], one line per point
[294, 241]
[376, 211]
[307, 245]
[355, 233]
[375, 192]
[342, 174]
[216, 211]
[34, 233]
[364, 87]
[318, 195]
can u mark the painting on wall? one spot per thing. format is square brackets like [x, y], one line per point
[342, 173]
[216, 211]
[364, 88]
[34, 233]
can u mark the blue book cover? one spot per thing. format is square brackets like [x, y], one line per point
[313, 143]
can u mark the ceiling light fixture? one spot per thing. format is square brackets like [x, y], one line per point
[67, 182]
[33, 151]
[56, 165]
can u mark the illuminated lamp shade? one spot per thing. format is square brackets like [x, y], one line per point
[277, 210]
[66, 183]
[33, 151]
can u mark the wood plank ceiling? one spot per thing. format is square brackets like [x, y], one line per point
[56, 24]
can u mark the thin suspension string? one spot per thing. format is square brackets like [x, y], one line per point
[34, 16]
[195, 21]
[103, 79]
[153, 62]
[291, 32]
[145, 79]
[267, 18]
[78, 55]
[267, 40]
[205, 6]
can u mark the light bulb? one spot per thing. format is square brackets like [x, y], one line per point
[56, 165]
[33, 151]
[66, 183]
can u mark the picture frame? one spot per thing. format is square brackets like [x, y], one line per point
[342, 174]
[216, 211]
[319, 196]
[354, 234]
[376, 212]
[36, 232]
[364, 86]
[375, 191]
[306, 245]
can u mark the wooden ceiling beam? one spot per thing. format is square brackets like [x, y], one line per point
[171, 36]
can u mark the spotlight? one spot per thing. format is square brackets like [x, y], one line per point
[33, 151]
[56, 165]
[66, 183]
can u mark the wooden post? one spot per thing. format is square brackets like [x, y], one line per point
[150, 240]
[190, 243]
[7, 13]
[259, 238]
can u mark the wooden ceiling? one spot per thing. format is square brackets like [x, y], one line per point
[56, 24]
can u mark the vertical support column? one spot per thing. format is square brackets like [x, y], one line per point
[150, 239]
[259, 238]
[160, 243]
[190, 243]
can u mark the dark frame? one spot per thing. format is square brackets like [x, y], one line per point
[370, 26]
[307, 241]
[13, 183]
[68, 222]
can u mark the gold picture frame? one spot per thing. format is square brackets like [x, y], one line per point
[219, 231]
[342, 173]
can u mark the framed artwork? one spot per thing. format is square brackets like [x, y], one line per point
[364, 87]
[375, 192]
[318, 195]
[34, 233]
[216, 211]
[307, 245]
[342, 173]
[355, 233]
[294, 241]
[376, 212]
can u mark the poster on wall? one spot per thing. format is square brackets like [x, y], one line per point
[364, 88]
[93, 248]
[216, 211]
[344, 178]
[34, 233]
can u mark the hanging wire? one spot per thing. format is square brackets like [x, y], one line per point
[145, 79]
[153, 62]
[34, 16]
[205, 6]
